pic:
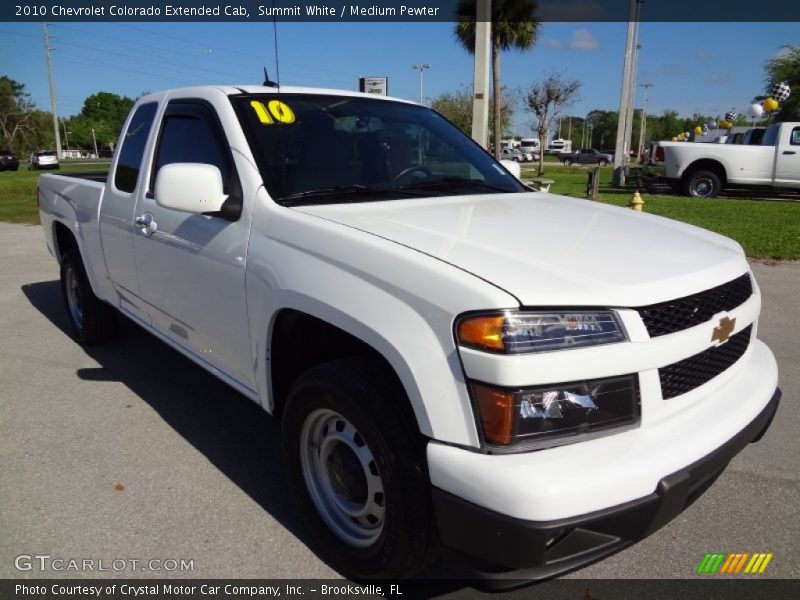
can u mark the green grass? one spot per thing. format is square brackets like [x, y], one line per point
[18, 190]
[766, 229]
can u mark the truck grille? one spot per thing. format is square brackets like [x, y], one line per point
[681, 377]
[680, 314]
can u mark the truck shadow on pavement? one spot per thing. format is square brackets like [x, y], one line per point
[232, 432]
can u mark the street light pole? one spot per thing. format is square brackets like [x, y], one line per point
[621, 146]
[643, 125]
[480, 75]
[421, 68]
[94, 141]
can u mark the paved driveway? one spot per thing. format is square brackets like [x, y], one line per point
[129, 451]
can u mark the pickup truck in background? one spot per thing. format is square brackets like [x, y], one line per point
[462, 367]
[586, 156]
[704, 170]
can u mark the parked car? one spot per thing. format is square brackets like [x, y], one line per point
[516, 155]
[586, 156]
[704, 170]
[46, 159]
[447, 375]
[8, 161]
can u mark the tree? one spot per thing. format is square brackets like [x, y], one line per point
[457, 108]
[786, 67]
[546, 99]
[514, 26]
[17, 119]
[102, 112]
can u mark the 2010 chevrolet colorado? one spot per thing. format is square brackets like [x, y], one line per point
[529, 380]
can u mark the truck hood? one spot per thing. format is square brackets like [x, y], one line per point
[549, 250]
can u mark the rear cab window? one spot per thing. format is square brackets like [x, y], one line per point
[130, 157]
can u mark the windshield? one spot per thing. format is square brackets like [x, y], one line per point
[322, 149]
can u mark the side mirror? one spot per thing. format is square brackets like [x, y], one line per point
[513, 167]
[190, 187]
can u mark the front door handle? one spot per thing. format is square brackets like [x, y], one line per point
[789, 152]
[146, 224]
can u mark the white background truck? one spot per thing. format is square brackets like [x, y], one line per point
[462, 367]
[704, 170]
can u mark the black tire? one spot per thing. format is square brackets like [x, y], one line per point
[92, 320]
[567, 162]
[702, 184]
[360, 401]
[603, 162]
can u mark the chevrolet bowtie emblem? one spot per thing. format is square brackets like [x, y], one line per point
[723, 331]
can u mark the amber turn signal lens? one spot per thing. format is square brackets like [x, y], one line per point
[496, 408]
[483, 332]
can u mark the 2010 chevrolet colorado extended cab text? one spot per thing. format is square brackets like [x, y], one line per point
[529, 380]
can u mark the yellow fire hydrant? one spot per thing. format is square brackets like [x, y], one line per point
[636, 202]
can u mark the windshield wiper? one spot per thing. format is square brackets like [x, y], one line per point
[450, 183]
[338, 193]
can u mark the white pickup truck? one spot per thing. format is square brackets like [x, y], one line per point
[463, 367]
[704, 170]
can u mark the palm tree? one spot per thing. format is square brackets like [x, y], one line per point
[514, 26]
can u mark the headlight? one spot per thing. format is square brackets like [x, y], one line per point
[521, 332]
[531, 417]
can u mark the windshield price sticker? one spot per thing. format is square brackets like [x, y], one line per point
[274, 111]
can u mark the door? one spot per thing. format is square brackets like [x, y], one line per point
[192, 267]
[787, 158]
[118, 206]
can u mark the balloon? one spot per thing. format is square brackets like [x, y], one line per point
[698, 130]
[781, 91]
[725, 124]
[688, 134]
[770, 105]
[755, 111]
[731, 116]
[674, 138]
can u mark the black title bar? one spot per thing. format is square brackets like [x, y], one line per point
[389, 10]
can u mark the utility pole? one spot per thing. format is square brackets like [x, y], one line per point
[643, 125]
[47, 52]
[94, 141]
[480, 77]
[621, 146]
[421, 68]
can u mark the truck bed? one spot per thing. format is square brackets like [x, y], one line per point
[98, 176]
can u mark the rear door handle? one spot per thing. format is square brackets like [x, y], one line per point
[789, 152]
[146, 224]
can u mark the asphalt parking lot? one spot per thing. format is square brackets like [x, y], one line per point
[129, 451]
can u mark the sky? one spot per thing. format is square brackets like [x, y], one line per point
[708, 68]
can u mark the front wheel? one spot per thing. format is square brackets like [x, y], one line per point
[702, 184]
[358, 463]
[567, 162]
[603, 162]
[92, 320]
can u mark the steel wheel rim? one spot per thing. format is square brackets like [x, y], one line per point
[702, 187]
[327, 440]
[74, 299]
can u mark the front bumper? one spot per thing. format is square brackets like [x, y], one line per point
[495, 546]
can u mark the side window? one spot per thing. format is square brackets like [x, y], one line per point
[130, 156]
[190, 134]
[795, 139]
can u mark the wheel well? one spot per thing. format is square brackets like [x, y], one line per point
[301, 341]
[706, 164]
[64, 239]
